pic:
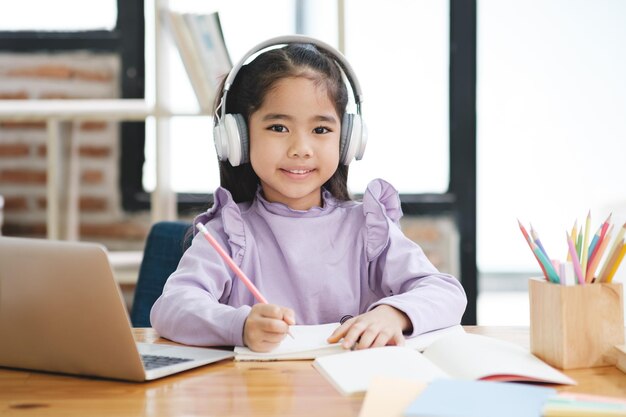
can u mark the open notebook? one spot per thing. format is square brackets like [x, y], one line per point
[458, 355]
[309, 342]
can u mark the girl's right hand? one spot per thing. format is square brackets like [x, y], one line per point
[266, 326]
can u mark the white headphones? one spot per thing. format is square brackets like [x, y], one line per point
[231, 133]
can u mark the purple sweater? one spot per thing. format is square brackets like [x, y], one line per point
[325, 263]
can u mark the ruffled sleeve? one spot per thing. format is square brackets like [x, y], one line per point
[228, 213]
[381, 205]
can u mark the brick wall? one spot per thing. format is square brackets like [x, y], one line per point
[23, 148]
[438, 237]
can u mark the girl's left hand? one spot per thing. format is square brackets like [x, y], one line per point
[379, 327]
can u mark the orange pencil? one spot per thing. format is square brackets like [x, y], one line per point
[612, 253]
[597, 239]
[530, 245]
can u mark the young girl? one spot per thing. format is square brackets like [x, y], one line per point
[284, 215]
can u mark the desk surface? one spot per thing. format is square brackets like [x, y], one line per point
[226, 389]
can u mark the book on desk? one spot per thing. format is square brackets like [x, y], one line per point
[459, 355]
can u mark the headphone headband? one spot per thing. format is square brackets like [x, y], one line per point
[287, 39]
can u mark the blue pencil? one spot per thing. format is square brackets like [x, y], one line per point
[545, 261]
[535, 236]
[594, 241]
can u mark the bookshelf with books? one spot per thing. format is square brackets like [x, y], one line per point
[172, 24]
[200, 43]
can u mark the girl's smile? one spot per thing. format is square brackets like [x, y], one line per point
[297, 174]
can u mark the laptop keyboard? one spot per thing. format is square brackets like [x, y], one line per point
[155, 361]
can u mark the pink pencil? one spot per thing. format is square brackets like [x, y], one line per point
[575, 261]
[229, 261]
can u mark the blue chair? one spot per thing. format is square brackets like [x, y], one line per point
[166, 243]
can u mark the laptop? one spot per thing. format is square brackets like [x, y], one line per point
[61, 311]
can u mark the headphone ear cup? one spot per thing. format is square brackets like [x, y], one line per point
[344, 138]
[244, 142]
[362, 139]
[236, 133]
[353, 138]
[221, 144]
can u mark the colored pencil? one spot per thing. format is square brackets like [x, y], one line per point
[536, 239]
[233, 266]
[585, 255]
[605, 226]
[597, 255]
[573, 235]
[594, 242]
[598, 236]
[579, 241]
[617, 262]
[612, 253]
[543, 259]
[527, 238]
[575, 261]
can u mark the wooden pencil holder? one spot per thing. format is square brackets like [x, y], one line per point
[575, 326]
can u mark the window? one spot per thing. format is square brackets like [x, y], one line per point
[400, 51]
[94, 14]
[402, 67]
[551, 126]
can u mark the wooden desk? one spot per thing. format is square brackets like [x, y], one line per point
[226, 389]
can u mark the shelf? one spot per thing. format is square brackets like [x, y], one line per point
[84, 109]
[62, 188]
[125, 265]
[114, 109]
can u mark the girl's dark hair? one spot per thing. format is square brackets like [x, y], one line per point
[249, 88]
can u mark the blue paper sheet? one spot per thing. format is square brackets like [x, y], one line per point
[459, 398]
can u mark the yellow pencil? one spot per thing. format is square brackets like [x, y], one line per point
[579, 242]
[622, 252]
[585, 254]
[574, 236]
[612, 253]
[597, 255]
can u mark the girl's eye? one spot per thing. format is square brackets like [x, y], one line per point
[278, 128]
[321, 130]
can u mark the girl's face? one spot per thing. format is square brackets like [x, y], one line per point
[294, 142]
